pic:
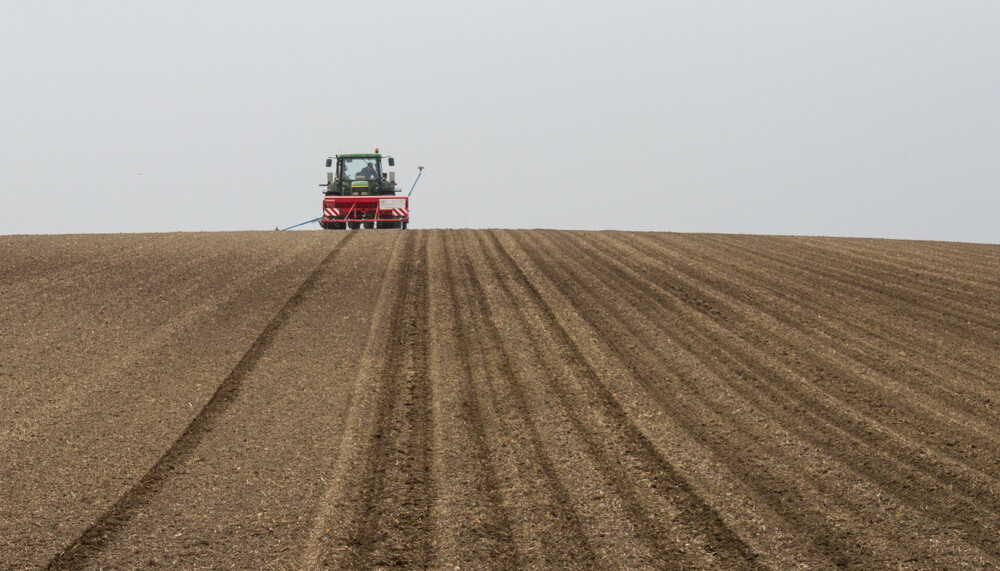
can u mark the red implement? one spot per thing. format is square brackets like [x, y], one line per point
[353, 211]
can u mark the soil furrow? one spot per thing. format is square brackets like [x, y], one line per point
[552, 512]
[888, 394]
[966, 264]
[726, 410]
[668, 424]
[630, 464]
[695, 395]
[976, 484]
[894, 396]
[473, 524]
[608, 518]
[908, 278]
[90, 543]
[888, 290]
[956, 278]
[906, 353]
[789, 273]
[976, 465]
[784, 280]
[841, 403]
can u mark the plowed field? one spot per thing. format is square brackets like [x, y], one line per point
[493, 399]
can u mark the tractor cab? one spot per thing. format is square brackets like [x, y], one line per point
[359, 175]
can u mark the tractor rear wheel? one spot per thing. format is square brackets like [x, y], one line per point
[354, 225]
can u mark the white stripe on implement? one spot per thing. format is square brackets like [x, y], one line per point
[399, 212]
[331, 212]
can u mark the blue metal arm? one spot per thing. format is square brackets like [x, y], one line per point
[415, 181]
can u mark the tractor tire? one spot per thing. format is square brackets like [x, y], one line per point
[337, 225]
[369, 225]
[354, 225]
[402, 225]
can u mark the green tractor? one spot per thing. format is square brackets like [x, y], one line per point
[359, 193]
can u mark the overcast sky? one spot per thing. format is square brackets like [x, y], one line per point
[846, 118]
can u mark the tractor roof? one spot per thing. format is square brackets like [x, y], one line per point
[360, 156]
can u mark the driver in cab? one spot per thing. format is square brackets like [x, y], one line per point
[368, 173]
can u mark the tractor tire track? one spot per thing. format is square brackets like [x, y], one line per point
[94, 538]
[397, 518]
[377, 510]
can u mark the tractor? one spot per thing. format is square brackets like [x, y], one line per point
[358, 193]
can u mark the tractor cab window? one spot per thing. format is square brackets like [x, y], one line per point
[361, 169]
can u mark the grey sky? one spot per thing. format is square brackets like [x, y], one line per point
[850, 118]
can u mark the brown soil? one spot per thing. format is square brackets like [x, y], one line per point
[474, 399]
